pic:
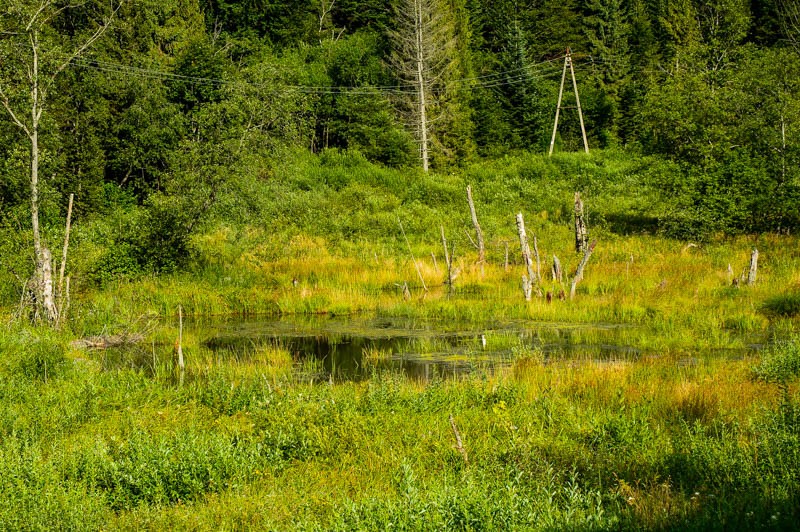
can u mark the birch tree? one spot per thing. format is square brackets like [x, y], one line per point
[35, 54]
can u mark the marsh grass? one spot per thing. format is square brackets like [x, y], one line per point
[249, 441]
[678, 298]
[676, 435]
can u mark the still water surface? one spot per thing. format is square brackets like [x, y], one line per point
[356, 347]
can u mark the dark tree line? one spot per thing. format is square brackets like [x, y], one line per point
[179, 96]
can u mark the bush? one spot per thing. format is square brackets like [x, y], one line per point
[33, 356]
[780, 362]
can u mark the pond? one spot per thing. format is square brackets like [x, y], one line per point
[357, 347]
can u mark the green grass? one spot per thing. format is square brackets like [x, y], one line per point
[245, 443]
[93, 440]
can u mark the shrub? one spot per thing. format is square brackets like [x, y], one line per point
[780, 362]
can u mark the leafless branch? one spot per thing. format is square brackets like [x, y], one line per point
[7, 106]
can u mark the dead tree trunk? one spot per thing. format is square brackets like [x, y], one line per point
[581, 235]
[526, 250]
[558, 274]
[179, 347]
[448, 259]
[751, 276]
[66, 248]
[478, 231]
[527, 287]
[43, 294]
[579, 272]
[527, 280]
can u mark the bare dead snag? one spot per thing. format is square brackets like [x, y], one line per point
[526, 250]
[459, 443]
[581, 234]
[558, 274]
[43, 292]
[478, 231]
[536, 256]
[66, 246]
[578, 277]
[751, 275]
[527, 288]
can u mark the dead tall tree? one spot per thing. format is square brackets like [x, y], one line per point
[423, 55]
[581, 235]
[557, 272]
[34, 55]
[525, 248]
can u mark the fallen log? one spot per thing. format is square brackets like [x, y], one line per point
[107, 341]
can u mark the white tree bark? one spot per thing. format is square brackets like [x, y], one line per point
[29, 29]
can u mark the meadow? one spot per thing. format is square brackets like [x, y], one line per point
[700, 431]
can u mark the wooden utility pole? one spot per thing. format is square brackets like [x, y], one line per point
[568, 63]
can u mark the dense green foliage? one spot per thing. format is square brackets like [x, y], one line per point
[184, 103]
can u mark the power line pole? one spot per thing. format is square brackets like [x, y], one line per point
[568, 63]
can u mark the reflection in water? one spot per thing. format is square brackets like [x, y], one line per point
[355, 348]
[422, 349]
